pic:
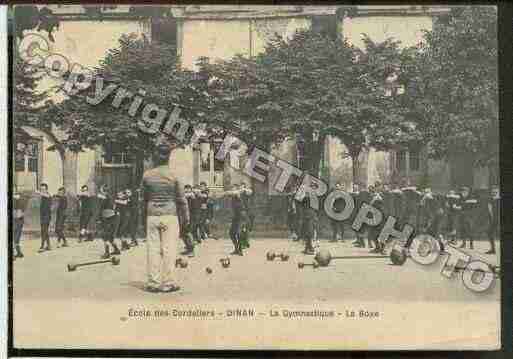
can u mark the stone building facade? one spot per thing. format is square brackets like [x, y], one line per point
[220, 32]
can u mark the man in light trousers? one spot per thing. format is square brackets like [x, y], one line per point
[165, 201]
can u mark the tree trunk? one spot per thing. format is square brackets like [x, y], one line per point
[312, 153]
[138, 170]
[69, 171]
[355, 161]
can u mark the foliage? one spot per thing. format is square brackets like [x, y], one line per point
[135, 65]
[28, 101]
[309, 85]
[452, 88]
[30, 17]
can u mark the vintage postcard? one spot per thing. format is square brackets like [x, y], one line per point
[235, 177]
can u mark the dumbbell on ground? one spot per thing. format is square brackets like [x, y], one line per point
[324, 257]
[181, 263]
[272, 255]
[301, 265]
[73, 266]
[225, 262]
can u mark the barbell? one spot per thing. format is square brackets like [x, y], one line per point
[301, 265]
[181, 263]
[73, 266]
[272, 255]
[324, 257]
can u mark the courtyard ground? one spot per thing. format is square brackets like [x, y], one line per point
[105, 306]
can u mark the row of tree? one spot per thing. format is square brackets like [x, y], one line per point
[442, 94]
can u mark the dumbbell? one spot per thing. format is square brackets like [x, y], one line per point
[301, 265]
[495, 270]
[225, 262]
[272, 255]
[181, 263]
[324, 257]
[73, 266]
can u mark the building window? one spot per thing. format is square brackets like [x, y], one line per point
[401, 161]
[410, 159]
[211, 170]
[414, 160]
[116, 155]
[27, 158]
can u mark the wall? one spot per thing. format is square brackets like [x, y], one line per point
[213, 39]
[407, 29]
[84, 43]
[51, 164]
[223, 39]
[180, 162]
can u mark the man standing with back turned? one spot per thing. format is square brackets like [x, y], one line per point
[165, 200]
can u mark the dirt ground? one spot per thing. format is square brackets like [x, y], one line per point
[104, 306]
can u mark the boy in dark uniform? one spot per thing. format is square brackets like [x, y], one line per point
[247, 199]
[388, 200]
[494, 207]
[85, 206]
[210, 213]
[467, 206]
[338, 206]
[410, 205]
[430, 215]
[239, 220]
[108, 221]
[451, 200]
[409, 215]
[292, 215]
[361, 196]
[186, 227]
[18, 217]
[133, 215]
[204, 211]
[60, 220]
[309, 225]
[195, 205]
[373, 231]
[397, 199]
[45, 216]
[425, 211]
[355, 193]
[436, 227]
[123, 219]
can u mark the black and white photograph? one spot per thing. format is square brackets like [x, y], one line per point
[255, 177]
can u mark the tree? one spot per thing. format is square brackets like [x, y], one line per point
[451, 86]
[361, 113]
[31, 17]
[28, 102]
[308, 87]
[136, 65]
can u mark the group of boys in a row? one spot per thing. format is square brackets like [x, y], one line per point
[118, 216]
[201, 213]
[452, 215]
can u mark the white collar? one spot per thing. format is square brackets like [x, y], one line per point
[409, 188]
